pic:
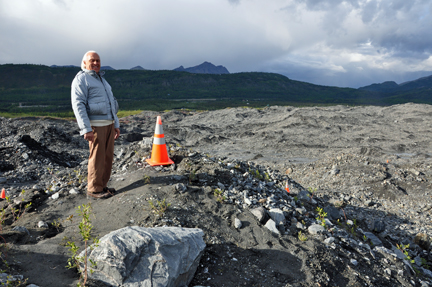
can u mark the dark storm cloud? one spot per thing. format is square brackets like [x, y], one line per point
[333, 42]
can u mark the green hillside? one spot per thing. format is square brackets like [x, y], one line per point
[39, 87]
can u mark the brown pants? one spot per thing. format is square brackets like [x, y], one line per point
[101, 158]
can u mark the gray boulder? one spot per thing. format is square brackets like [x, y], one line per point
[180, 187]
[378, 225]
[277, 215]
[303, 195]
[271, 225]
[134, 137]
[260, 213]
[315, 229]
[375, 240]
[332, 212]
[138, 256]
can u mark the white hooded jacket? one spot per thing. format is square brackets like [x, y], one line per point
[92, 99]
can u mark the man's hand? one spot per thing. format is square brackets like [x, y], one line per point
[117, 133]
[89, 136]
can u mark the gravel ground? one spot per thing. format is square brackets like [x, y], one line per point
[368, 168]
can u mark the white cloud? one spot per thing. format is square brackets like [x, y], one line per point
[334, 42]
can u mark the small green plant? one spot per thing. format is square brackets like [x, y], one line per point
[424, 263]
[75, 260]
[2, 218]
[81, 177]
[321, 216]
[160, 207]
[295, 198]
[256, 174]
[18, 212]
[51, 171]
[146, 179]
[56, 225]
[404, 249]
[355, 223]
[192, 176]
[218, 193]
[311, 192]
[12, 281]
[339, 204]
[302, 237]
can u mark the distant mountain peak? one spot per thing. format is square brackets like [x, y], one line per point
[390, 86]
[137, 68]
[204, 68]
[106, 68]
[180, 69]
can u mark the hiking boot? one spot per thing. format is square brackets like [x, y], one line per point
[110, 190]
[98, 195]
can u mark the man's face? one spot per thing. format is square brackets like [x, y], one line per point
[92, 62]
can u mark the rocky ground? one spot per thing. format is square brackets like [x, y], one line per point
[368, 168]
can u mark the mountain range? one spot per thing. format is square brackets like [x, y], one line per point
[204, 68]
[201, 87]
[391, 87]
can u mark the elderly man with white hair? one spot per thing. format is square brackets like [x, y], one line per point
[95, 109]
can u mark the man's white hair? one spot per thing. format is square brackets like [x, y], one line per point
[83, 67]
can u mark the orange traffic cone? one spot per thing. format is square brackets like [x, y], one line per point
[159, 154]
[286, 187]
[3, 194]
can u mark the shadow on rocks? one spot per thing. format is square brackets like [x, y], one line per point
[228, 265]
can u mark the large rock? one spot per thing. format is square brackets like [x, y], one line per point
[315, 229]
[138, 256]
[375, 240]
[277, 215]
[260, 213]
[379, 225]
[134, 137]
[271, 225]
[332, 212]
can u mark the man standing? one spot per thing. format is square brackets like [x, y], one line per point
[95, 109]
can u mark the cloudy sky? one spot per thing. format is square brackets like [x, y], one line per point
[345, 43]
